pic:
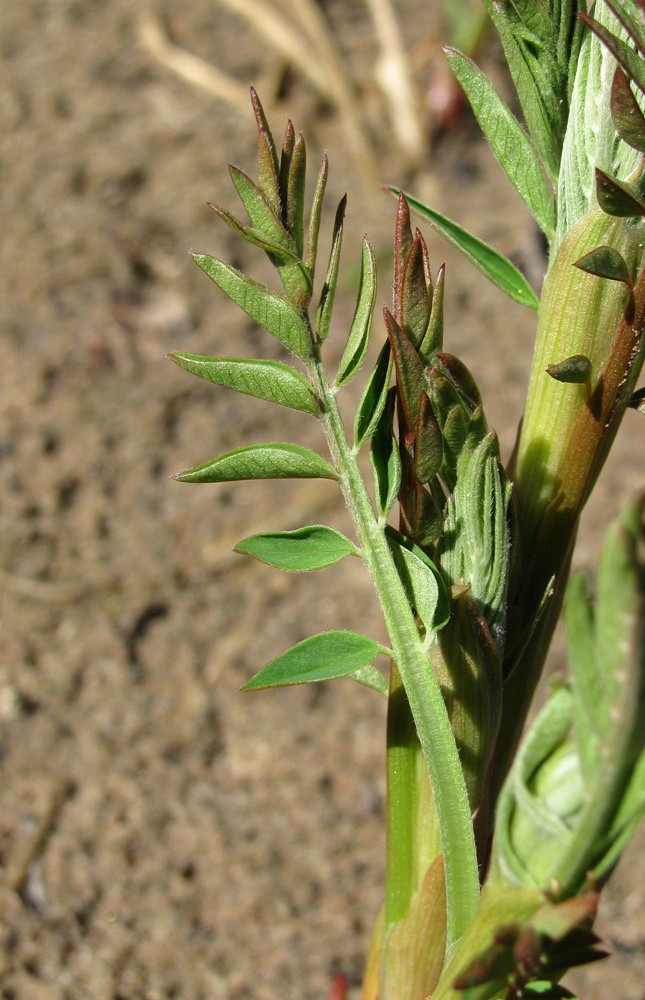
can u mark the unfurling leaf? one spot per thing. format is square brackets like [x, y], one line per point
[630, 61]
[273, 312]
[299, 551]
[507, 139]
[326, 304]
[295, 278]
[490, 262]
[575, 370]
[295, 206]
[386, 461]
[374, 397]
[267, 156]
[421, 581]
[410, 381]
[319, 658]
[314, 219]
[626, 114]
[361, 324]
[433, 337]
[269, 380]
[618, 197]
[260, 461]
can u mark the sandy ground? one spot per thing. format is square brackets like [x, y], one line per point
[161, 835]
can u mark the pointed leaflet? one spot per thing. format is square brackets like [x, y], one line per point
[507, 139]
[410, 380]
[433, 337]
[626, 114]
[374, 397]
[606, 262]
[575, 370]
[631, 20]
[295, 278]
[618, 197]
[296, 194]
[299, 551]
[260, 461]
[267, 156]
[421, 581]
[319, 658]
[415, 293]
[281, 319]
[494, 265]
[361, 324]
[428, 443]
[630, 61]
[386, 461]
[286, 155]
[269, 380]
[326, 304]
[278, 254]
[311, 249]
[402, 244]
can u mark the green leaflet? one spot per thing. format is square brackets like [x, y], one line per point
[314, 219]
[269, 380]
[422, 583]
[374, 397]
[299, 551]
[386, 461]
[494, 265]
[319, 658]
[361, 324]
[294, 276]
[260, 461]
[296, 193]
[273, 312]
[326, 303]
[267, 156]
[507, 139]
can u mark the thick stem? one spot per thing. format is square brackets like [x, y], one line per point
[426, 701]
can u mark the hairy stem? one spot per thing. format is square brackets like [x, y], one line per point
[421, 686]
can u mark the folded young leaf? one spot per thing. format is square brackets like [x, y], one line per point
[273, 312]
[267, 156]
[296, 194]
[416, 291]
[490, 262]
[618, 197]
[631, 62]
[507, 139]
[433, 337]
[626, 114]
[422, 583]
[374, 397]
[311, 248]
[361, 324]
[295, 278]
[299, 551]
[260, 461]
[269, 380]
[410, 381]
[319, 658]
[326, 304]
[386, 461]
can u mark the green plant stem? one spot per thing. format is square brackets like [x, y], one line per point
[421, 686]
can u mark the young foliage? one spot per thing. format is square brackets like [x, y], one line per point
[260, 461]
[490, 262]
[299, 551]
[319, 658]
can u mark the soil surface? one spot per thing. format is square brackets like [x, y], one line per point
[161, 835]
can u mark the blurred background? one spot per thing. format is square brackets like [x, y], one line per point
[161, 835]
